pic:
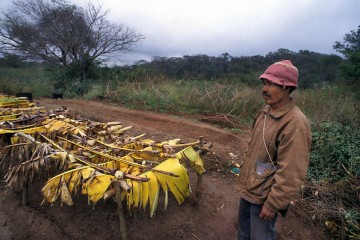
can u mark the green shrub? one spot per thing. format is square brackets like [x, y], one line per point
[96, 91]
[335, 152]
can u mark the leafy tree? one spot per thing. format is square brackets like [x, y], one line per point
[350, 48]
[63, 34]
[10, 60]
[315, 69]
[280, 54]
[350, 45]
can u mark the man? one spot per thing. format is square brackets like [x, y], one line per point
[277, 158]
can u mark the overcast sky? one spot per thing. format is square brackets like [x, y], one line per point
[238, 27]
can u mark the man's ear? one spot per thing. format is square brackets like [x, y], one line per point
[286, 89]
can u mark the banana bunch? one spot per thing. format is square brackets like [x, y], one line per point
[31, 160]
[91, 157]
[142, 193]
[151, 152]
[29, 129]
[170, 174]
[91, 182]
[108, 129]
[10, 117]
[12, 108]
[22, 158]
[59, 124]
[17, 102]
[97, 183]
[95, 180]
[14, 120]
[64, 126]
[84, 128]
[26, 110]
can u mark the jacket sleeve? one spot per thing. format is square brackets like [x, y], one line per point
[292, 164]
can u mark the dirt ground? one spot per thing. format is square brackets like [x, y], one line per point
[214, 218]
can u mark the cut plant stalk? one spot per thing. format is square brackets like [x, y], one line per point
[112, 158]
[120, 210]
[25, 195]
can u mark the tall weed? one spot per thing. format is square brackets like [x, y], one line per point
[333, 103]
[15, 80]
[194, 96]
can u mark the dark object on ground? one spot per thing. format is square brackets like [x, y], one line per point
[57, 95]
[25, 94]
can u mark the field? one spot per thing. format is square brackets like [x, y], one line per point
[214, 218]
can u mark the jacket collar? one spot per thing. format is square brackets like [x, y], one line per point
[280, 112]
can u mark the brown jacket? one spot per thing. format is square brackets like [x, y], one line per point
[276, 181]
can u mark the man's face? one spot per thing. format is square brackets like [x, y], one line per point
[274, 95]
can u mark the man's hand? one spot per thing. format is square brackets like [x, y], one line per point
[266, 213]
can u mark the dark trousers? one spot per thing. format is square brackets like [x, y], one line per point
[251, 226]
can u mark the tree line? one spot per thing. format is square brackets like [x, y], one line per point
[76, 42]
[315, 69]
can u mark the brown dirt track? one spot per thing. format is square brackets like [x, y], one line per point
[214, 218]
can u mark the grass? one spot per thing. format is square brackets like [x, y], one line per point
[189, 97]
[333, 111]
[156, 93]
[334, 103]
[15, 80]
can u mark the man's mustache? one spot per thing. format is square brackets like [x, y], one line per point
[266, 95]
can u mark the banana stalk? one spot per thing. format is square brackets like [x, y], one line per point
[121, 159]
[139, 184]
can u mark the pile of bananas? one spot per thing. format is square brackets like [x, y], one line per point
[79, 156]
[15, 102]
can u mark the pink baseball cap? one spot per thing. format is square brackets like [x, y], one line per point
[283, 73]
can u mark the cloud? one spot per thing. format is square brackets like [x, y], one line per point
[239, 27]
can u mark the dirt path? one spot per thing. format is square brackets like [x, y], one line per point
[215, 218]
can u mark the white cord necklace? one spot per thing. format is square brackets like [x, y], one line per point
[267, 150]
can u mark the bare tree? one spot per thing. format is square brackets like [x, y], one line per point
[63, 34]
